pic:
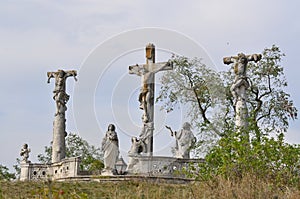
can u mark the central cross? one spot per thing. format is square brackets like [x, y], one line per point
[146, 97]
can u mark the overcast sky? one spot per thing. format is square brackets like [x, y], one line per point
[37, 36]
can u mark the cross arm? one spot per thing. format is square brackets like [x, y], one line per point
[152, 67]
[254, 57]
[229, 60]
[136, 69]
[161, 66]
[50, 75]
[232, 59]
[70, 73]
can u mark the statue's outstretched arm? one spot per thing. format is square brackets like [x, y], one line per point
[170, 129]
[50, 75]
[72, 73]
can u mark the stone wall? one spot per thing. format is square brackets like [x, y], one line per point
[159, 165]
[68, 167]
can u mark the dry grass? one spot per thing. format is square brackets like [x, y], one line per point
[218, 188]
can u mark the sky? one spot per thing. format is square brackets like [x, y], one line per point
[38, 36]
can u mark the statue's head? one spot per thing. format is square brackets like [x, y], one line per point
[111, 127]
[242, 58]
[61, 73]
[134, 139]
[186, 126]
[25, 146]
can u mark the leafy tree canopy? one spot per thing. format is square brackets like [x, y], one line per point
[5, 174]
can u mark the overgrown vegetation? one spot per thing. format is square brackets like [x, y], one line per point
[5, 175]
[220, 188]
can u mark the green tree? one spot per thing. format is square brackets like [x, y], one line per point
[5, 174]
[200, 90]
[91, 156]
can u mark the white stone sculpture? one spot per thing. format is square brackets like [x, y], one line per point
[146, 98]
[185, 140]
[59, 124]
[240, 85]
[110, 148]
[60, 95]
[25, 153]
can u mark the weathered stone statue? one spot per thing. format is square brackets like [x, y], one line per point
[146, 98]
[60, 95]
[25, 153]
[185, 140]
[137, 147]
[110, 148]
[240, 85]
[59, 126]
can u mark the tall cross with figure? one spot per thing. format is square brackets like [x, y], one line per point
[146, 97]
[59, 125]
[240, 85]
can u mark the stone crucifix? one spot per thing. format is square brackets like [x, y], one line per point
[146, 97]
[59, 126]
[240, 85]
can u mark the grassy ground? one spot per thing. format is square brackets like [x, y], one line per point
[246, 188]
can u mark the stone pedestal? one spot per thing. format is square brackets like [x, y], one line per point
[24, 175]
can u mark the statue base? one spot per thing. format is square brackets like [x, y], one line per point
[158, 165]
[67, 168]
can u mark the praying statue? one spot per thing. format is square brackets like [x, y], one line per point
[25, 153]
[185, 140]
[110, 148]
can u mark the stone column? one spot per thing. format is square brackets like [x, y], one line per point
[59, 125]
[59, 134]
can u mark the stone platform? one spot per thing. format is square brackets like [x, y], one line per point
[122, 178]
[145, 168]
[159, 165]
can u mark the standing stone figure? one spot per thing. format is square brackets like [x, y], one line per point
[110, 148]
[185, 140]
[25, 153]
